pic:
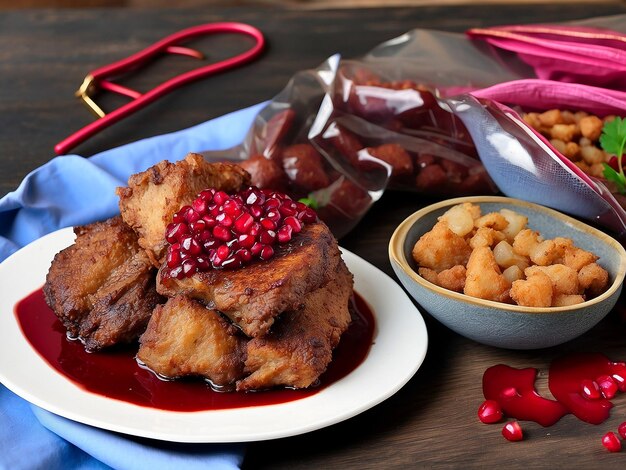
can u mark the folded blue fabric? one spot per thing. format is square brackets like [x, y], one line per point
[72, 190]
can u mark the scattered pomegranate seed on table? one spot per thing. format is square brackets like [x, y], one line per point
[611, 442]
[489, 412]
[225, 231]
[590, 389]
[512, 431]
[621, 429]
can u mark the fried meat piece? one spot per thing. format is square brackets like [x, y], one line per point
[299, 347]
[155, 195]
[254, 295]
[186, 338]
[102, 288]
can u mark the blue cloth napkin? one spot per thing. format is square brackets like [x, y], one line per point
[72, 190]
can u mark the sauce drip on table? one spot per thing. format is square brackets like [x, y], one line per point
[116, 374]
[514, 389]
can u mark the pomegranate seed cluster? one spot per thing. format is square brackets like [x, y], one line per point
[225, 231]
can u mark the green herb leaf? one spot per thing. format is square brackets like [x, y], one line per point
[611, 175]
[613, 138]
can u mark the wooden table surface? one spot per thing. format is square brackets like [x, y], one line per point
[430, 422]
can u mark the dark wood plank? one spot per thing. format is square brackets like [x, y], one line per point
[431, 421]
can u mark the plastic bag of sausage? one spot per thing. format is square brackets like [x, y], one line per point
[428, 112]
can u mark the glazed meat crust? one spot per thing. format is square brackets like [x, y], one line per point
[185, 338]
[155, 195]
[102, 288]
[255, 294]
[299, 347]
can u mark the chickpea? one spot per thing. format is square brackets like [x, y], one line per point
[591, 127]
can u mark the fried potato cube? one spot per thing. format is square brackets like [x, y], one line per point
[564, 279]
[591, 127]
[486, 236]
[452, 279]
[515, 223]
[441, 248]
[577, 258]
[565, 300]
[513, 273]
[534, 291]
[594, 279]
[506, 257]
[484, 278]
[460, 218]
[494, 220]
[525, 241]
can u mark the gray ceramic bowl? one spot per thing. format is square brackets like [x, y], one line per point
[498, 324]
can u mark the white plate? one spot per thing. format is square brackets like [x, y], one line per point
[400, 344]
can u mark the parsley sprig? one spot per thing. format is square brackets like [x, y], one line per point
[613, 141]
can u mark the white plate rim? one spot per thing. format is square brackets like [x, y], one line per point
[399, 348]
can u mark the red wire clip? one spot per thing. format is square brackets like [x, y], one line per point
[98, 79]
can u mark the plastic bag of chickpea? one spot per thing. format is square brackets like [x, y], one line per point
[403, 118]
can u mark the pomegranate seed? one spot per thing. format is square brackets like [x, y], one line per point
[223, 252]
[273, 215]
[178, 218]
[208, 244]
[244, 255]
[489, 412]
[205, 235]
[284, 234]
[256, 249]
[209, 220]
[224, 220]
[175, 232]
[197, 226]
[232, 262]
[191, 245]
[271, 204]
[266, 253]
[308, 216]
[590, 389]
[221, 233]
[246, 240]
[191, 215]
[512, 431]
[294, 223]
[199, 205]
[177, 272]
[267, 237]
[207, 195]
[220, 197]
[254, 229]
[189, 267]
[256, 211]
[232, 208]
[620, 381]
[607, 385]
[173, 258]
[613, 163]
[255, 197]
[268, 224]
[611, 442]
[287, 211]
[621, 429]
[203, 263]
[243, 223]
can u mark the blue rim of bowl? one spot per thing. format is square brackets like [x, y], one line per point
[396, 254]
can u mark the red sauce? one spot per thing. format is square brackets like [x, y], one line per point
[514, 389]
[115, 374]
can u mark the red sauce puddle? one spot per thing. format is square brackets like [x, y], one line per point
[115, 374]
[514, 389]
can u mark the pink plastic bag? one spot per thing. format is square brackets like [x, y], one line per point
[578, 54]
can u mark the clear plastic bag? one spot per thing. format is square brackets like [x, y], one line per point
[403, 117]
